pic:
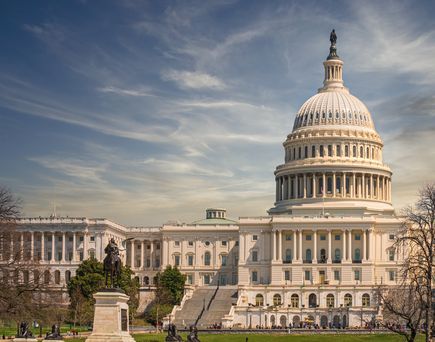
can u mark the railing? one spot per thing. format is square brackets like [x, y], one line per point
[213, 296]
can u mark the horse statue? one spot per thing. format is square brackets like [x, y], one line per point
[193, 334]
[112, 264]
[54, 334]
[24, 330]
[172, 334]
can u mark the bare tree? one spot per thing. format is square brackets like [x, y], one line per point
[411, 302]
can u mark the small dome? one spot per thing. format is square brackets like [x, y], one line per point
[337, 107]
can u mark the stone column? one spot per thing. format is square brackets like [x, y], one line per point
[32, 246]
[296, 186]
[363, 181]
[132, 254]
[85, 246]
[371, 245]
[142, 254]
[42, 246]
[315, 247]
[329, 246]
[377, 187]
[152, 253]
[343, 185]
[74, 256]
[371, 187]
[280, 246]
[314, 186]
[300, 245]
[364, 256]
[344, 251]
[334, 185]
[63, 246]
[350, 246]
[324, 185]
[53, 247]
[295, 256]
[277, 190]
[305, 185]
[273, 245]
[242, 247]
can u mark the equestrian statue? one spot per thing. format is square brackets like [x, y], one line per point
[112, 264]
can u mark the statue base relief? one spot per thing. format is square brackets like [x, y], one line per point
[111, 321]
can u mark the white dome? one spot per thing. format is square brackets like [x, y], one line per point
[337, 107]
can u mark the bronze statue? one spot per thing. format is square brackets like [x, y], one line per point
[112, 264]
[193, 334]
[333, 38]
[24, 331]
[55, 333]
[172, 334]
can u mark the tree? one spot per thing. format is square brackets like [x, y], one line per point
[410, 302]
[88, 280]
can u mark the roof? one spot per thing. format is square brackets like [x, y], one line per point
[216, 221]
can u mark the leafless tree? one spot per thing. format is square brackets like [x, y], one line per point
[411, 301]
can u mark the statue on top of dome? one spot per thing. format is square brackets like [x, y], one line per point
[333, 37]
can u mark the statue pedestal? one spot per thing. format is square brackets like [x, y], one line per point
[110, 318]
[23, 339]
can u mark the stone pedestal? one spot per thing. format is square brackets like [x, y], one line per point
[110, 318]
[22, 339]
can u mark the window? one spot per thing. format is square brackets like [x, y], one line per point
[357, 275]
[190, 260]
[330, 300]
[337, 237]
[70, 239]
[287, 275]
[354, 151]
[337, 254]
[306, 152]
[207, 243]
[329, 150]
[357, 255]
[337, 275]
[224, 259]
[347, 299]
[391, 254]
[357, 237]
[338, 150]
[190, 279]
[254, 276]
[294, 299]
[288, 237]
[224, 243]
[308, 237]
[361, 152]
[391, 275]
[322, 237]
[308, 255]
[254, 237]
[67, 276]
[391, 236]
[308, 275]
[259, 300]
[346, 151]
[365, 299]
[288, 255]
[190, 243]
[177, 243]
[92, 254]
[59, 239]
[206, 279]
[207, 258]
[313, 151]
[254, 256]
[321, 151]
[300, 152]
[177, 260]
[276, 299]
[329, 184]
[92, 238]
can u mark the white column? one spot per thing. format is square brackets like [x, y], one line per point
[152, 263]
[329, 246]
[74, 257]
[142, 254]
[295, 256]
[305, 185]
[315, 247]
[63, 246]
[314, 185]
[32, 245]
[42, 246]
[300, 245]
[364, 246]
[85, 246]
[377, 187]
[132, 255]
[273, 245]
[344, 251]
[334, 185]
[296, 186]
[52, 247]
[242, 247]
[363, 180]
[350, 246]
[343, 185]
[371, 186]
[280, 246]
[324, 184]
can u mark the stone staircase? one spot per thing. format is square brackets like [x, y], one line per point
[216, 301]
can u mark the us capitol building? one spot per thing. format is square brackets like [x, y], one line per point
[318, 256]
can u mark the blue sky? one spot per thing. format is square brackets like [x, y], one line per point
[147, 111]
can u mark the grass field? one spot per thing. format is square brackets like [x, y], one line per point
[273, 338]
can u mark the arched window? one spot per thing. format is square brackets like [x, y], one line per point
[330, 300]
[313, 151]
[308, 256]
[368, 153]
[365, 299]
[337, 255]
[329, 150]
[354, 151]
[312, 300]
[67, 276]
[357, 256]
[294, 299]
[47, 277]
[288, 255]
[321, 151]
[346, 151]
[347, 299]
[306, 152]
[361, 152]
[276, 299]
[207, 257]
[259, 300]
[146, 280]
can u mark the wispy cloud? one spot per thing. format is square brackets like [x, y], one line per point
[193, 80]
[126, 92]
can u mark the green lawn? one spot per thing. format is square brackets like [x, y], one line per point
[273, 338]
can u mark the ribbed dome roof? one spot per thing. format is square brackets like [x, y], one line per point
[336, 107]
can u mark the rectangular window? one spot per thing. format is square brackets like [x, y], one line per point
[190, 243]
[255, 237]
[177, 260]
[313, 151]
[92, 238]
[224, 260]
[391, 254]
[322, 237]
[224, 243]
[357, 275]
[391, 275]
[306, 151]
[177, 243]
[307, 275]
[300, 153]
[336, 275]
[254, 276]
[190, 260]
[190, 279]
[308, 237]
[254, 256]
[237, 243]
[329, 150]
[158, 246]
[337, 237]
[338, 149]
[206, 279]
[59, 239]
[391, 236]
[287, 275]
[288, 237]
[357, 237]
[70, 239]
